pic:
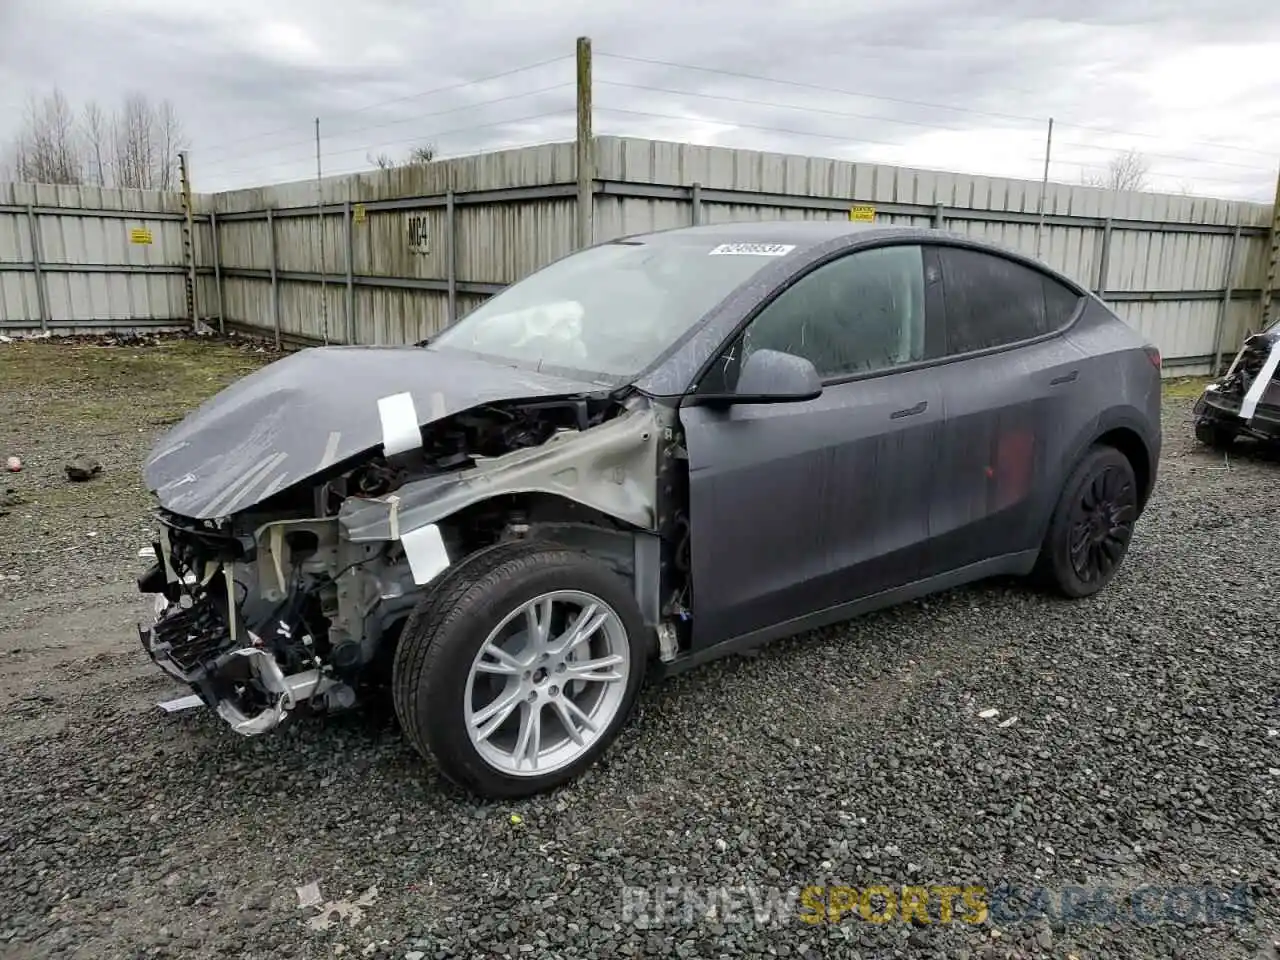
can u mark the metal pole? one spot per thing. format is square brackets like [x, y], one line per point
[188, 239]
[275, 286]
[937, 215]
[450, 252]
[695, 200]
[351, 283]
[1228, 291]
[1273, 260]
[42, 294]
[217, 270]
[1044, 184]
[1104, 259]
[324, 284]
[585, 144]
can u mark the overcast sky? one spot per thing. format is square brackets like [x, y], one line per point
[944, 84]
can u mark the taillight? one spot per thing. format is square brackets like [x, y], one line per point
[1153, 354]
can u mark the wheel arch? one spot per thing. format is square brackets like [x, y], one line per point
[1124, 429]
[1130, 443]
[1120, 428]
[628, 548]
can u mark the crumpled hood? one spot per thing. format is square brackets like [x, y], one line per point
[312, 409]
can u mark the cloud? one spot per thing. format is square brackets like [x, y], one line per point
[943, 84]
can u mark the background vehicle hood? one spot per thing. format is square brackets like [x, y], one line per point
[314, 408]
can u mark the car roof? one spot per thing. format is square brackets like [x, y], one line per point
[801, 233]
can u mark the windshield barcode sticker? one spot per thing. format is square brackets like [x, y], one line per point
[753, 249]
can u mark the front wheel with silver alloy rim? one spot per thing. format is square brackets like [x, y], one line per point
[519, 667]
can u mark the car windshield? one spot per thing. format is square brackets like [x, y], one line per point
[609, 311]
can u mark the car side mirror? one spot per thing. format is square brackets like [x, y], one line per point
[771, 376]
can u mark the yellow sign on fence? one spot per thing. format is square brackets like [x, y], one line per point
[139, 235]
[358, 213]
[862, 214]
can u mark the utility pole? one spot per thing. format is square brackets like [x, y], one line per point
[188, 241]
[324, 286]
[1044, 185]
[586, 147]
[1273, 261]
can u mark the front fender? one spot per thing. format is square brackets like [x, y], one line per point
[612, 468]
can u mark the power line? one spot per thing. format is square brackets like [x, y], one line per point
[748, 126]
[392, 123]
[914, 103]
[1170, 156]
[1095, 165]
[881, 119]
[837, 137]
[410, 140]
[411, 96]
[785, 106]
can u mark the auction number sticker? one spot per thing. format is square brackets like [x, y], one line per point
[753, 249]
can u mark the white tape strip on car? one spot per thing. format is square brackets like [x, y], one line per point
[1259, 386]
[427, 555]
[400, 431]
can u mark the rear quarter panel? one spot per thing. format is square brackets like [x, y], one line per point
[1121, 386]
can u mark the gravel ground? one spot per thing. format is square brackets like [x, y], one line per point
[1144, 750]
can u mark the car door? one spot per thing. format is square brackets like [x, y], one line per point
[1010, 390]
[799, 507]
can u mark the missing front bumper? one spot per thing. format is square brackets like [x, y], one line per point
[1216, 406]
[245, 686]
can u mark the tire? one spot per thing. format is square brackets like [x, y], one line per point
[1101, 492]
[441, 682]
[1214, 435]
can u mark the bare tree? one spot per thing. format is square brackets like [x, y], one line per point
[137, 146]
[146, 141]
[1125, 171]
[418, 157]
[172, 142]
[135, 151]
[46, 148]
[96, 127]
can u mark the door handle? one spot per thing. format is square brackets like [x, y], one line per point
[1065, 378]
[910, 411]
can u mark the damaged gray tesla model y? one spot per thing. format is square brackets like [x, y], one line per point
[652, 452]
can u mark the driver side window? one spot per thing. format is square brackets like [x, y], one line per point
[860, 313]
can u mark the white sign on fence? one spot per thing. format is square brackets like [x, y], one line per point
[419, 233]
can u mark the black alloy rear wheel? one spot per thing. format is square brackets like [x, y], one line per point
[1092, 524]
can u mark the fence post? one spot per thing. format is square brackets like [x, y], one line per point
[450, 252]
[586, 147]
[217, 270]
[1272, 273]
[1228, 290]
[350, 242]
[275, 286]
[188, 240]
[938, 208]
[1104, 256]
[42, 294]
[695, 200]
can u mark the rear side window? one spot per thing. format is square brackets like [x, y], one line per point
[992, 301]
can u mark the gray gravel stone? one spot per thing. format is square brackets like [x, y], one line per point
[1142, 754]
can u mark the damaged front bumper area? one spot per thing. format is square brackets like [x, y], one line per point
[256, 625]
[1245, 401]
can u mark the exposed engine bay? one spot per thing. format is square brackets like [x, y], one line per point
[1245, 401]
[299, 598]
